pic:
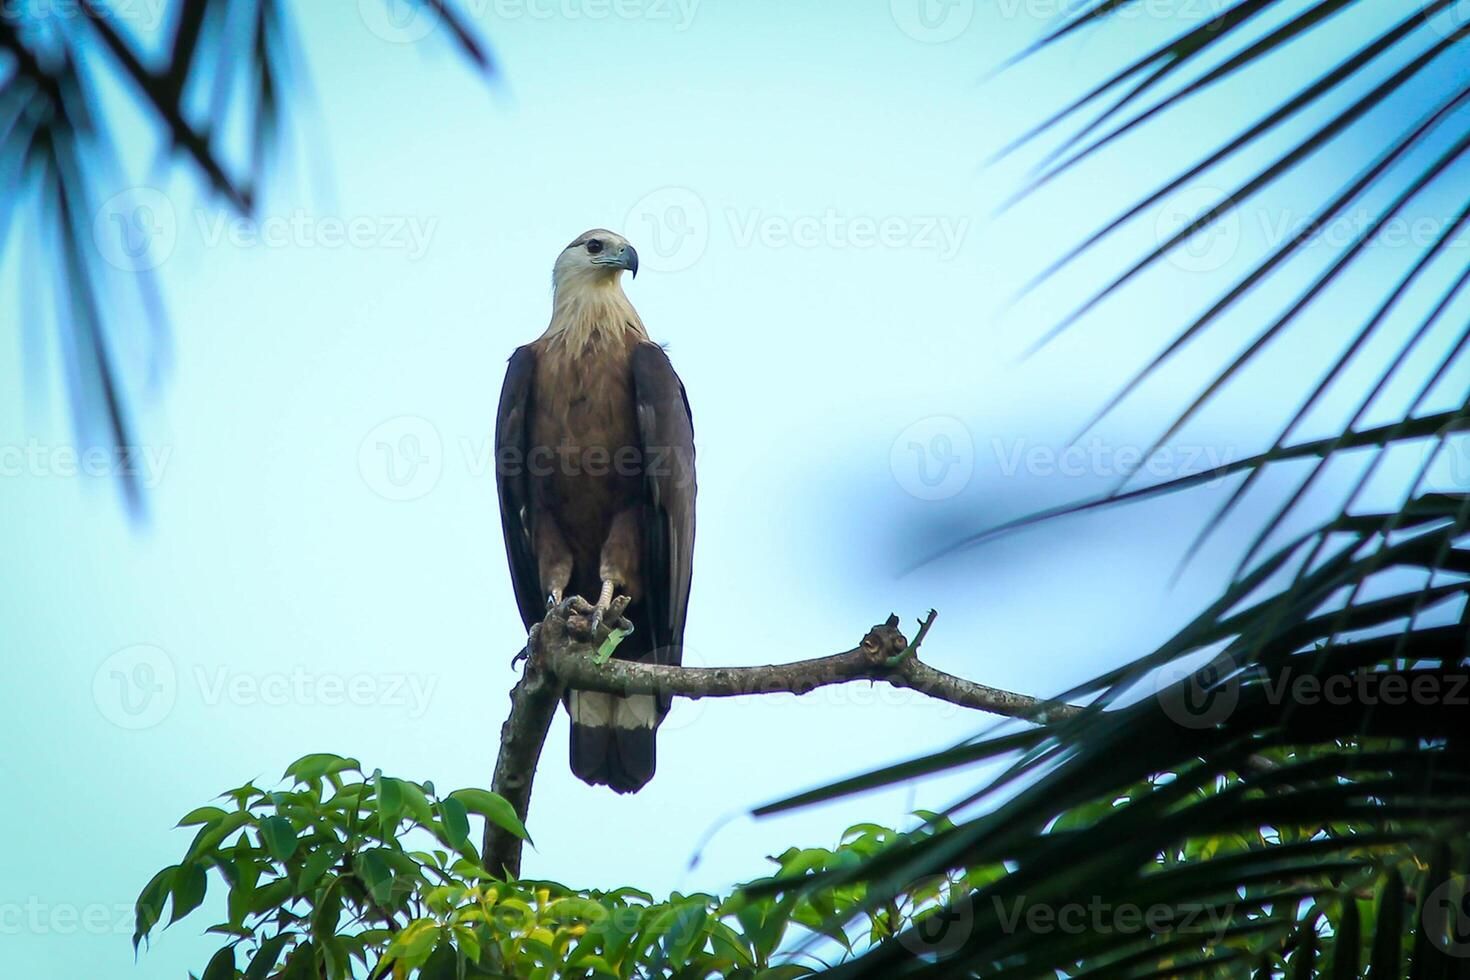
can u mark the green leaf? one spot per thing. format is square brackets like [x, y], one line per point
[372, 867]
[264, 960]
[271, 896]
[325, 915]
[605, 651]
[279, 837]
[1389, 928]
[686, 933]
[310, 768]
[415, 942]
[456, 823]
[416, 803]
[203, 814]
[189, 887]
[390, 803]
[315, 866]
[221, 965]
[442, 964]
[492, 807]
[211, 836]
[302, 964]
[149, 908]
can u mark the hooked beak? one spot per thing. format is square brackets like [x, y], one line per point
[626, 257]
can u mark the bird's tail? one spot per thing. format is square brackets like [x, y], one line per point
[614, 738]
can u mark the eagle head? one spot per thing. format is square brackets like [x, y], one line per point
[596, 257]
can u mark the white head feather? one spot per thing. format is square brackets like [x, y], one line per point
[589, 305]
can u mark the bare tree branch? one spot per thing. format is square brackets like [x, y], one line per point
[561, 655]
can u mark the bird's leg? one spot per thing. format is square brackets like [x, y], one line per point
[525, 652]
[604, 600]
[616, 634]
[617, 568]
[553, 599]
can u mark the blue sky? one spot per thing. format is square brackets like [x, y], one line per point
[323, 569]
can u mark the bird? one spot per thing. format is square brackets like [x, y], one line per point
[594, 450]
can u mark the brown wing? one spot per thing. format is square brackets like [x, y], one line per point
[666, 429]
[512, 478]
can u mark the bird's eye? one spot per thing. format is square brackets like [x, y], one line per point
[594, 246]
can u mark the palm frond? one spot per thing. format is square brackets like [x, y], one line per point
[58, 161]
[1245, 792]
[1396, 62]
